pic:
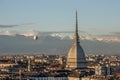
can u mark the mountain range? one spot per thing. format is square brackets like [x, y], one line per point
[57, 43]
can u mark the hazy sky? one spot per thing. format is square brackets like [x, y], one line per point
[95, 16]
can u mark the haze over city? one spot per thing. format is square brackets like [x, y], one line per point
[55, 21]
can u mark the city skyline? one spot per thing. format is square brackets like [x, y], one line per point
[62, 40]
[95, 17]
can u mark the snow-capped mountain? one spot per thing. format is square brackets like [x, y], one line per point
[56, 42]
[65, 35]
[105, 38]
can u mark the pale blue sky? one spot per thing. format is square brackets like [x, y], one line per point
[95, 16]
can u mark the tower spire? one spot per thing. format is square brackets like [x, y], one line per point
[76, 23]
[76, 30]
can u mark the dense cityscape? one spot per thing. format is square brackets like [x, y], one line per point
[22, 67]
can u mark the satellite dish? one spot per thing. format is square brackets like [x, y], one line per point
[35, 37]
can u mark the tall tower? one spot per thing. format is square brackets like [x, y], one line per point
[76, 56]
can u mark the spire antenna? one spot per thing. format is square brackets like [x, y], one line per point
[76, 23]
[76, 30]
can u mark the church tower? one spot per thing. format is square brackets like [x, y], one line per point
[76, 57]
